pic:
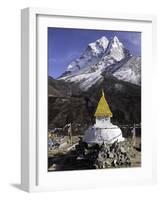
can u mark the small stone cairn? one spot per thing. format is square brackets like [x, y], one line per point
[118, 154]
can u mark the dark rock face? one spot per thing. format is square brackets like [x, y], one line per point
[68, 104]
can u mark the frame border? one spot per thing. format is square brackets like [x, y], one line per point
[29, 135]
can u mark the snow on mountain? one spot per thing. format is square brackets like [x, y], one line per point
[91, 55]
[103, 55]
[116, 49]
[130, 71]
[99, 46]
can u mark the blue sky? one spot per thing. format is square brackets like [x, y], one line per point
[65, 44]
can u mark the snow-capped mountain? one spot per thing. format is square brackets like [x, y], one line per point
[91, 56]
[103, 55]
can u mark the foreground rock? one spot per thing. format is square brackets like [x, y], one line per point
[118, 154]
[84, 156]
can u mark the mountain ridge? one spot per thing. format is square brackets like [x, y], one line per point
[99, 56]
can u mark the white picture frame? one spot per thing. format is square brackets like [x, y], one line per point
[33, 177]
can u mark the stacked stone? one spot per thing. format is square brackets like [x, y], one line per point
[115, 155]
[118, 154]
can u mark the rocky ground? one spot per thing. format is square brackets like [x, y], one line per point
[77, 155]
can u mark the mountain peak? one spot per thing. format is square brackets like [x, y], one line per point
[91, 55]
[103, 41]
[99, 45]
[115, 38]
[116, 49]
[102, 50]
[116, 43]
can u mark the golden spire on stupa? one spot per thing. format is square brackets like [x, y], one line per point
[103, 109]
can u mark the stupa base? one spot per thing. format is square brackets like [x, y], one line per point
[95, 135]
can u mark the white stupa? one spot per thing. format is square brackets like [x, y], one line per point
[103, 130]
